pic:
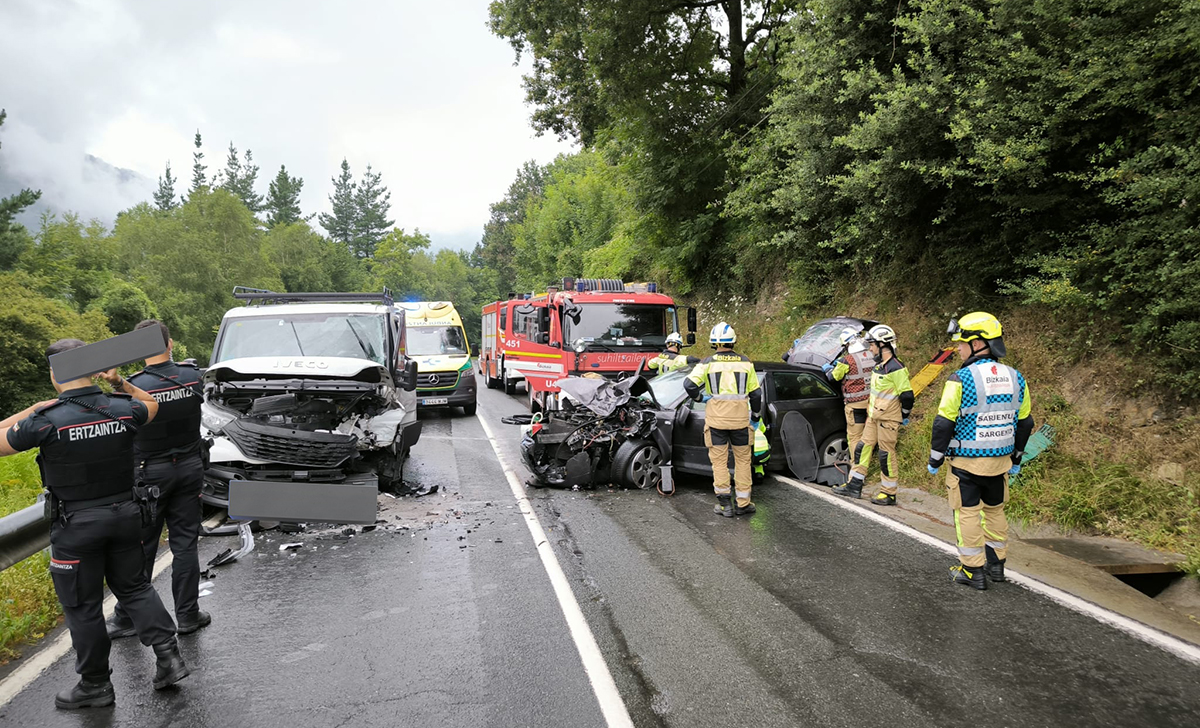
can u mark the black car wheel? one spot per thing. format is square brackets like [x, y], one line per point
[638, 464]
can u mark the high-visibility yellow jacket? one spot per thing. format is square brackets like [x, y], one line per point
[670, 361]
[731, 380]
[891, 393]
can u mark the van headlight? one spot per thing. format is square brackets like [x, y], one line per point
[215, 418]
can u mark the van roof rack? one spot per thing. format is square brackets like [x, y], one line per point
[262, 296]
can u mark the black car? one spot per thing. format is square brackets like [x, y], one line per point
[660, 424]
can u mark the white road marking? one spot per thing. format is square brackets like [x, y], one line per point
[1143, 632]
[29, 671]
[603, 685]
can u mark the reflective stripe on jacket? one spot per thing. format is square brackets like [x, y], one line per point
[853, 371]
[889, 387]
[730, 378]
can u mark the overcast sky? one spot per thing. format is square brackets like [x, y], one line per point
[420, 90]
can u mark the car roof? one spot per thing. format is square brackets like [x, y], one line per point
[309, 308]
[779, 366]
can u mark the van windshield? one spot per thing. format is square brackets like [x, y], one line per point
[436, 340]
[356, 336]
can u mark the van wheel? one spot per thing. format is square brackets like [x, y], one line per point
[488, 380]
[469, 409]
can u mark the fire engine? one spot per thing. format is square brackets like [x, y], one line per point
[585, 325]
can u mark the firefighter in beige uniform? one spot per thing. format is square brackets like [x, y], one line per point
[854, 372]
[983, 423]
[728, 382]
[888, 408]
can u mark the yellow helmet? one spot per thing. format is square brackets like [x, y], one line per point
[978, 325]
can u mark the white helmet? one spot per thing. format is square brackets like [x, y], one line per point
[674, 338]
[881, 334]
[722, 334]
[848, 335]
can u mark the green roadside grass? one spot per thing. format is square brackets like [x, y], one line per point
[28, 606]
[1085, 483]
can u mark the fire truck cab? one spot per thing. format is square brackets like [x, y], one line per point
[585, 325]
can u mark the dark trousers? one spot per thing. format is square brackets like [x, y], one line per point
[98, 544]
[178, 482]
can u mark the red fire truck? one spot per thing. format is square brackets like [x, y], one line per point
[586, 325]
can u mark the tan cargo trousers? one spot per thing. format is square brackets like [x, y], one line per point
[882, 434]
[978, 505]
[856, 421]
[719, 442]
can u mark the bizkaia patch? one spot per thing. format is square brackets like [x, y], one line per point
[998, 380]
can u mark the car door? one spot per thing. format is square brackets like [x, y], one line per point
[802, 391]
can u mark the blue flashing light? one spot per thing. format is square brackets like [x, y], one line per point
[580, 286]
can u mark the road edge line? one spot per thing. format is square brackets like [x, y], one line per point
[1144, 632]
[31, 669]
[616, 714]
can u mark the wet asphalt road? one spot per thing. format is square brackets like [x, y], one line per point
[801, 615]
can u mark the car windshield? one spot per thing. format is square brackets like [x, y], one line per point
[436, 340]
[357, 336]
[668, 388]
[624, 325]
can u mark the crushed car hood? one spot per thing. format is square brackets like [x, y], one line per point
[296, 367]
[599, 395]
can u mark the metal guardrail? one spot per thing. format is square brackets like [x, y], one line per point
[23, 534]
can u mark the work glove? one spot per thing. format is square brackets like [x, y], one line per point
[754, 423]
[827, 368]
[932, 470]
[904, 422]
[705, 398]
[1014, 469]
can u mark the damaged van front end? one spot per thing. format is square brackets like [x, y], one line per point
[306, 421]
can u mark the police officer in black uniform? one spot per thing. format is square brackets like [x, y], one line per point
[167, 457]
[86, 456]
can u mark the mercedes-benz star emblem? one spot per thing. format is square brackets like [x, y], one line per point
[434, 379]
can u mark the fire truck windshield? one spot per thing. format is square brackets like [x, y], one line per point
[625, 325]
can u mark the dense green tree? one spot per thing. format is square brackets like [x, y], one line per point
[14, 239]
[188, 262]
[341, 222]
[372, 202]
[29, 322]
[283, 199]
[199, 174]
[124, 305]
[240, 177]
[308, 262]
[164, 196]
[495, 249]
[72, 261]
[400, 263]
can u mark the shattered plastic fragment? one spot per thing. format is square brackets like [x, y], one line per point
[229, 555]
[289, 546]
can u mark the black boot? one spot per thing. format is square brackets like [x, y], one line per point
[968, 575]
[743, 510]
[723, 507]
[86, 694]
[852, 489]
[170, 668]
[199, 621]
[119, 626]
[995, 566]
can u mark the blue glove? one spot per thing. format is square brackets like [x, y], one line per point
[1014, 470]
[705, 397]
[754, 423]
[932, 470]
[827, 368]
[904, 422]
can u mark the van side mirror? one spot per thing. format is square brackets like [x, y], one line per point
[691, 318]
[408, 380]
[691, 338]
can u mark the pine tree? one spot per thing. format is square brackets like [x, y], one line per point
[199, 179]
[239, 178]
[164, 196]
[372, 202]
[13, 238]
[341, 223]
[283, 199]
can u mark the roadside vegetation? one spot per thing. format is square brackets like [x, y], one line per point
[28, 606]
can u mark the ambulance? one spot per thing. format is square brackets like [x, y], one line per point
[438, 342]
